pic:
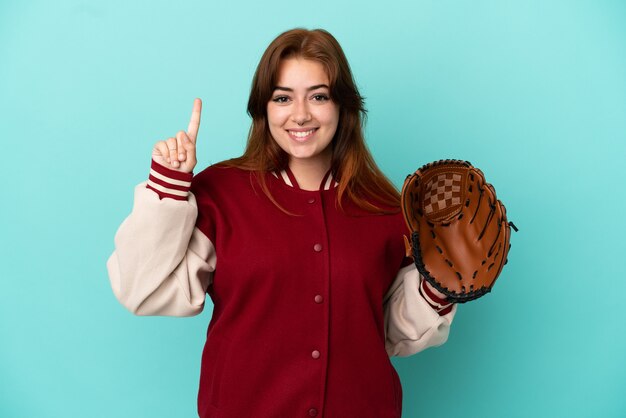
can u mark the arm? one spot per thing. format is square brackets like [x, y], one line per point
[162, 264]
[412, 324]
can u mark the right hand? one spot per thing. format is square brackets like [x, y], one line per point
[179, 153]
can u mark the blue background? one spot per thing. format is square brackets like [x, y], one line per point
[533, 92]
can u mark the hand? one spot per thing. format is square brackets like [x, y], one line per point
[180, 153]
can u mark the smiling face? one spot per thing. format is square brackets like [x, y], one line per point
[301, 116]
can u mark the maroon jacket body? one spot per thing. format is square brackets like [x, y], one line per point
[298, 315]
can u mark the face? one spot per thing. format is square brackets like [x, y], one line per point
[301, 116]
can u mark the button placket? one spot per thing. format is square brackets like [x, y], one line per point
[319, 245]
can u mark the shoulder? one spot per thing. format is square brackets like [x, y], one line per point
[363, 205]
[219, 191]
[388, 219]
[219, 171]
[217, 177]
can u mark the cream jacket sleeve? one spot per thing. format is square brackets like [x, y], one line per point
[411, 323]
[162, 264]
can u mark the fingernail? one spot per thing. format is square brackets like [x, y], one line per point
[181, 156]
[175, 164]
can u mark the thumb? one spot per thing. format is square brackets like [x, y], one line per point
[187, 143]
[190, 150]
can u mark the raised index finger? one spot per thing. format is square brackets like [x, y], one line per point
[194, 123]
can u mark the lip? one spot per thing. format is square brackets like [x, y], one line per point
[303, 138]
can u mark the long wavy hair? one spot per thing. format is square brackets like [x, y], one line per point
[352, 165]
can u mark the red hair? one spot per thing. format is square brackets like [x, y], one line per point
[352, 165]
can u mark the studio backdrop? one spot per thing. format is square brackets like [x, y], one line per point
[532, 92]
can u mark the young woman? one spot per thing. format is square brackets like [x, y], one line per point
[298, 243]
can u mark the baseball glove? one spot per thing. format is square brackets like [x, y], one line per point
[459, 230]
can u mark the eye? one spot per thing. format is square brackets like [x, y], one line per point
[321, 97]
[280, 99]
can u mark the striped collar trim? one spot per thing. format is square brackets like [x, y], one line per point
[289, 179]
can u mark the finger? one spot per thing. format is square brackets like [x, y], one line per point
[179, 145]
[190, 149]
[186, 142]
[194, 123]
[160, 150]
[172, 148]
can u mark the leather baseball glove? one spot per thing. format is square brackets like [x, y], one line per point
[459, 230]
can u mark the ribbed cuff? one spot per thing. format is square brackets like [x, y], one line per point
[442, 306]
[169, 183]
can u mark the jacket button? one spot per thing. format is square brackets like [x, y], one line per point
[312, 412]
[319, 299]
[311, 200]
[317, 247]
[315, 354]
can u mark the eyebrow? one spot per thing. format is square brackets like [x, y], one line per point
[315, 87]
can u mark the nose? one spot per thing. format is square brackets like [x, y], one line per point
[301, 113]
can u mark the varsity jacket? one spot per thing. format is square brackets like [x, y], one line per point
[308, 306]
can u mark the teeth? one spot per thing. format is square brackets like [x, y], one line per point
[302, 134]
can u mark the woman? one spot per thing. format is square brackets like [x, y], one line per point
[299, 244]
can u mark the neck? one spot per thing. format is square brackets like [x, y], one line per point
[309, 174]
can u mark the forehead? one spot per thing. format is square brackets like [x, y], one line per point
[301, 72]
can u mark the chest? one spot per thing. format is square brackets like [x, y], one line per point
[263, 250]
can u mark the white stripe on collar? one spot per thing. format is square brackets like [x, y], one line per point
[328, 181]
[285, 177]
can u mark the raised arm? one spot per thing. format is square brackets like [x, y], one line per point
[162, 264]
